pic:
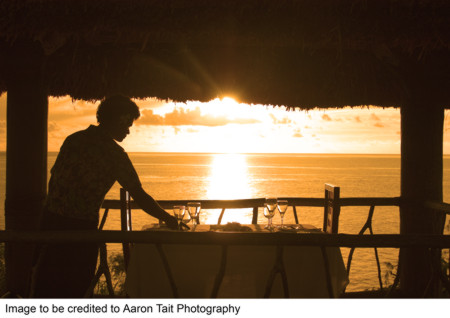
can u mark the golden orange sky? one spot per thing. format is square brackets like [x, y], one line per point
[228, 126]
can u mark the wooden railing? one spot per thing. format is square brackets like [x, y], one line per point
[338, 240]
[295, 202]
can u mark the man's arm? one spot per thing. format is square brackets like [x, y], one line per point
[150, 206]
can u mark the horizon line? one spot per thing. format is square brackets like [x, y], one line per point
[258, 153]
[255, 153]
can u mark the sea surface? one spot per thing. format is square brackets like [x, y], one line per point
[171, 176]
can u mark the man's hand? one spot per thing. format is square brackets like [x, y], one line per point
[149, 205]
[185, 226]
[171, 222]
[174, 225]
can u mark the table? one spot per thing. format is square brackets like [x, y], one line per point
[235, 271]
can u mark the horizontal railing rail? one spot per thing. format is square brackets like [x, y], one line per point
[229, 238]
[259, 202]
[438, 206]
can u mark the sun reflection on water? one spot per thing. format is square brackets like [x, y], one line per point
[228, 180]
[228, 177]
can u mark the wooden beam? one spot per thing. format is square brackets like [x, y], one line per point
[421, 181]
[26, 156]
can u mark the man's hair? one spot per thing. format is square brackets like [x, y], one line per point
[113, 107]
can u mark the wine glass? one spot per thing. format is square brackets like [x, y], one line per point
[178, 212]
[269, 211]
[282, 206]
[194, 211]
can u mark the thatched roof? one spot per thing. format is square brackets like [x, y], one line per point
[303, 53]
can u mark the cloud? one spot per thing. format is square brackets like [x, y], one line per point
[357, 119]
[149, 118]
[66, 109]
[283, 121]
[377, 119]
[374, 117]
[326, 117]
[297, 134]
[184, 117]
[53, 126]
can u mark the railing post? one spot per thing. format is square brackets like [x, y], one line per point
[125, 222]
[332, 209]
[255, 215]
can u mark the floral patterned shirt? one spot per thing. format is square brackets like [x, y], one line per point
[88, 165]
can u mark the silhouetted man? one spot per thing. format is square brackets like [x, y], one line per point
[89, 163]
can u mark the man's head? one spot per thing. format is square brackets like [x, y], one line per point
[116, 114]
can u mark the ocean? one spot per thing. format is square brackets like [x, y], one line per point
[172, 176]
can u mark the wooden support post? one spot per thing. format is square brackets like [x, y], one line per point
[421, 180]
[26, 158]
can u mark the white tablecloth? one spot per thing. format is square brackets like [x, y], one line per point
[195, 270]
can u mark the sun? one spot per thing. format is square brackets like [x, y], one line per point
[228, 101]
[226, 106]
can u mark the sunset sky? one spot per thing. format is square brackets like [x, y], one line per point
[228, 126]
